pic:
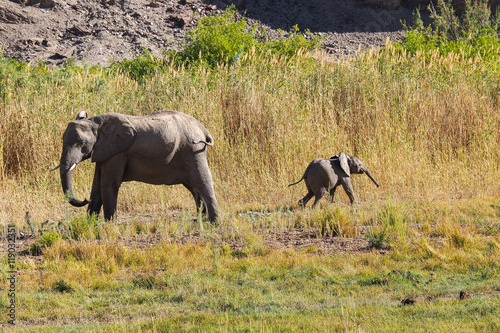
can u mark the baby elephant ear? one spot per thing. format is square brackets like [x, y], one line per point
[343, 163]
[115, 135]
[81, 115]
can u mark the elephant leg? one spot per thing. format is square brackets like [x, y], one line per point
[303, 202]
[319, 195]
[95, 204]
[207, 194]
[111, 180]
[209, 202]
[110, 199]
[202, 184]
[332, 192]
[200, 204]
[347, 185]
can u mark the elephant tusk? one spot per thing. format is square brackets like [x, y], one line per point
[72, 167]
[57, 167]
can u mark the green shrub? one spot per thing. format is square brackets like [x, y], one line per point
[296, 41]
[473, 33]
[62, 286]
[11, 74]
[142, 67]
[224, 39]
[49, 238]
[218, 39]
[378, 237]
[84, 227]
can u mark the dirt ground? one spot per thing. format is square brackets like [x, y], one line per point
[302, 240]
[104, 31]
[306, 240]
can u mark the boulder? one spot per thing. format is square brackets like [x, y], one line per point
[40, 3]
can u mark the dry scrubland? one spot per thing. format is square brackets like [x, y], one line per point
[427, 126]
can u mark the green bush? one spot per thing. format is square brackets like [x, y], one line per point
[84, 227]
[218, 39]
[293, 43]
[473, 33]
[62, 286]
[142, 67]
[224, 38]
[11, 75]
[49, 238]
[378, 237]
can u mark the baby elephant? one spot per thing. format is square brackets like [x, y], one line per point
[325, 175]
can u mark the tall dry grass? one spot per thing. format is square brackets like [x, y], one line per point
[427, 128]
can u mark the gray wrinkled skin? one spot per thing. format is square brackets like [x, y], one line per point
[324, 175]
[163, 148]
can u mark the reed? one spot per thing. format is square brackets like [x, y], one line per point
[426, 127]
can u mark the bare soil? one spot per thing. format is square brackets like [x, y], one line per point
[306, 240]
[303, 240]
[101, 32]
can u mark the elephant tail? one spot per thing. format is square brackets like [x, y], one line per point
[208, 141]
[296, 182]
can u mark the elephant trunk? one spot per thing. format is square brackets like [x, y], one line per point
[368, 173]
[67, 185]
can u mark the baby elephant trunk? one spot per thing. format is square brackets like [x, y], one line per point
[368, 173]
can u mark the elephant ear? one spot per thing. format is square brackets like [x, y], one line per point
[343, 163]
[115, 135]
[81, 115]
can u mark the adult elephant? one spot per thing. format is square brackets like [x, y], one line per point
[163, 148]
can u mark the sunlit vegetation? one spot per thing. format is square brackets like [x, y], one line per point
[424, 121]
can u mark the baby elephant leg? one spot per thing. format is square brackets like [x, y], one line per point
[347, 185]
[332, 192]
[303, 202]
[319, 195]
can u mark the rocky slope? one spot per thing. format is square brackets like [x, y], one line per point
[103, 31]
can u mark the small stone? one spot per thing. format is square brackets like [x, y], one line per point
[464, 295]
[80, 31]
[409, 301]
[153, 4]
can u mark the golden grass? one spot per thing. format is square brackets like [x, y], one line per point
[427, 129]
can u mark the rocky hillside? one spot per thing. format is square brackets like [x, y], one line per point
[103, 31]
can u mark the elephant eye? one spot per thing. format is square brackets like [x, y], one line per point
[87, 148]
